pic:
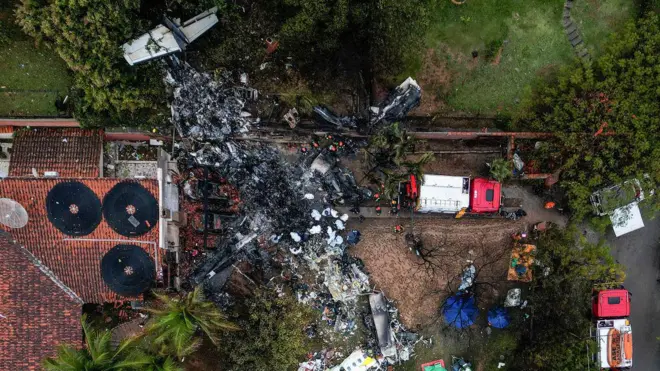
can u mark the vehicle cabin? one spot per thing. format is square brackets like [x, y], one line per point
[611, 304]
[486, 195]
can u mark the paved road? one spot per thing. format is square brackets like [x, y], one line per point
[638, 251]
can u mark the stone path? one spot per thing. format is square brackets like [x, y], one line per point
[573, 33]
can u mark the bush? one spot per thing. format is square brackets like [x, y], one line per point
[501, 169]
[272, 336]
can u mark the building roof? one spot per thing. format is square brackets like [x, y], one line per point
[73, 260]
[36, 314]
[71, 152]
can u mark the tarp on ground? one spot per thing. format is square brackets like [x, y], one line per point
[498, 317]
[522, 257]
[436, 367]
[460, 311]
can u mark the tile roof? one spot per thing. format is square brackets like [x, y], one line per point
[72, 152]
[36, 314]
[75, 261]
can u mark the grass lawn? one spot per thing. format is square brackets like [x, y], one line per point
[30, 78]
[516, 40]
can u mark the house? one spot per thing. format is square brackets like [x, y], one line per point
[85, 239]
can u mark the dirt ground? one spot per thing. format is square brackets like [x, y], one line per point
[418, 288]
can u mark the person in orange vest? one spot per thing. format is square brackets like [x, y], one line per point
[549, 205]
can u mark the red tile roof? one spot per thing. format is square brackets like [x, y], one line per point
[75, 261]
[72, 152]
[36, 315]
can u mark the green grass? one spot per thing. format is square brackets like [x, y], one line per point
[598, 19]
[30, 77]
[534, 44]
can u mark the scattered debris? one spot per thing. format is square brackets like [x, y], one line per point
[513, 298]
[204, 108]
[292, 118]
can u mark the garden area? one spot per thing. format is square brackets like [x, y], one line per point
[33, 77]
[483, 57]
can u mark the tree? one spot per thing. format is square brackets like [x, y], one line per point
[501, 169]
[272, 337]
[388, 158]
[88, 36]
[176, 321]
[98, 354]
[378, 33]
[605, 116]
[560, 301]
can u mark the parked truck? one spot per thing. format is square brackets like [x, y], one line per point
[458, 195]
[613, 332]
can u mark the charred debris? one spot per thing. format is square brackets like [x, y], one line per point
[286, 228]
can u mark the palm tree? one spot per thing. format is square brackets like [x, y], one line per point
[98, 354]
[176, 321]
[387, 156]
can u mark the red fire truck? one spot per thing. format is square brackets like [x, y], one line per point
[613, 332]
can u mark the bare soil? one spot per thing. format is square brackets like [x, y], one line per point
[418, 289]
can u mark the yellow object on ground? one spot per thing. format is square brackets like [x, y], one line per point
[521, 255]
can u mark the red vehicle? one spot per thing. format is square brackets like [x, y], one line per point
[613, 303]
[454, 194]
[613, 332]
[486, 196]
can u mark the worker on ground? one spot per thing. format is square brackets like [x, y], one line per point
[398, 228]
[395, 208]
[378, 210]
[549, 205]
[376, 197]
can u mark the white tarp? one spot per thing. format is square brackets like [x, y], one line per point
[444, 194]
[626, 219]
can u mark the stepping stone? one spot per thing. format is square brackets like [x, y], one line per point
[567, 22]
[576, 42]
[574, 35]
[568, 5]
[570, 29]
[567, 13]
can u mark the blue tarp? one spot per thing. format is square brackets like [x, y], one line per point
[498, 317]
[460, 311]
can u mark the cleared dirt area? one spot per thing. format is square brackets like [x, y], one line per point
[419, 287]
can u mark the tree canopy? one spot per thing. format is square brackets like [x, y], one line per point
[272, 336]
[87, 35]
[100, 355]
[605, 115]
[380, 33]
[176, 321]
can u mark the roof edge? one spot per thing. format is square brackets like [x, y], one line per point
[45, 270]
